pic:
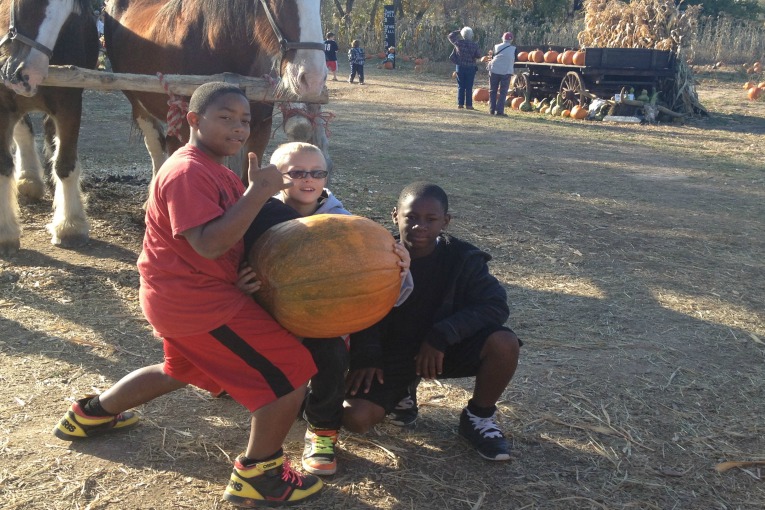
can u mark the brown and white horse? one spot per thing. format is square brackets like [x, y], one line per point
[202, 37]
[40, 32]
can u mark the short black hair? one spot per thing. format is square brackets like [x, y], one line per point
[205, 94]
[330, 34]
[422, 189]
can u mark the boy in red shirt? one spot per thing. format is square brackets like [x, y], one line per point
[214, 335]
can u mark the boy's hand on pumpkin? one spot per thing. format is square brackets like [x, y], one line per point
[362, 378]
[406, 259]
[247, 280]
[269, 178]
[430, 361]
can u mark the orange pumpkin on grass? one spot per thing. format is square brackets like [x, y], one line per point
[516, 103]
[355, 285]
[754, 93]
[578, 112]
[388, 65]
[481, 95]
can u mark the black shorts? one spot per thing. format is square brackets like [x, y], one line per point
[460, 360]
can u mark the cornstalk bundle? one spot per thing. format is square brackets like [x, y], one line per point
[651, 24]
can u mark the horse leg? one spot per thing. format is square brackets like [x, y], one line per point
[319, 136]
[153, 134]
[260, 134]
[10, 232]
[69, 227]
[29, 170]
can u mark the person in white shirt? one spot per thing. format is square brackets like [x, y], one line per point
[500, 70]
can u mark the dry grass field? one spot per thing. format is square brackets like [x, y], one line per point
[633, 261]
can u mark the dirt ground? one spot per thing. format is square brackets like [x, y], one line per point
[633, 261]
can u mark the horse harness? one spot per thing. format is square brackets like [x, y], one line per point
[284, 44]
[13, 34]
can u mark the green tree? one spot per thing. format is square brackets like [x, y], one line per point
[742, 9]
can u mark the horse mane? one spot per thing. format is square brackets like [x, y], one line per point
[233, 24]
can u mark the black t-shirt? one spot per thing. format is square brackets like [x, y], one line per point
[409, 323]
[330, 50]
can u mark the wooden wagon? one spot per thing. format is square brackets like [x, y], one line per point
[606, 71]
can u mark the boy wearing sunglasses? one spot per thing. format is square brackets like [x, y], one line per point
[303, 165]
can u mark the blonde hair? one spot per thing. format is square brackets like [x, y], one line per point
[282, 155]
[356, 43]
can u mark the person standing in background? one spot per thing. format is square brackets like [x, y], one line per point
[466, 52]
[356, 59]
[330, 54]
[500, 70]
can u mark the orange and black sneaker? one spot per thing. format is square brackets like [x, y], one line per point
[319, 451]
[77, 425]
[269, 483]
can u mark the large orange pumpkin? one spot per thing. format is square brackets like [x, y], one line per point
[537, 56]
[551, 57]
[754, 93]
[523, 56]
[578, 59]
[481, 95]
[388, 65]
[326, 275]
[568, 57]
[516, 102]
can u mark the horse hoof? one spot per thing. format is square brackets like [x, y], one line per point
[70, 241]
[31, 189]
[9, 248]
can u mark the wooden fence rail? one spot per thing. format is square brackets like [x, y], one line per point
[256, 89]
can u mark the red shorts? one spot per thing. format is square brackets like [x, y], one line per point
[332, 65]
[251, 357]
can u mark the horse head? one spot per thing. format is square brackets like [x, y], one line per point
[33, 28]
[295, 27]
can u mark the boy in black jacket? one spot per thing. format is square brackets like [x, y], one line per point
[451, 326]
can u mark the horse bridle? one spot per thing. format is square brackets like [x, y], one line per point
[14, 34]
[284, 44]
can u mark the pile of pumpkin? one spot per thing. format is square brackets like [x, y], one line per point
[545, 107]
[568, 57]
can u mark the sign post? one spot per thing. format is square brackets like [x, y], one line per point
[389, 25]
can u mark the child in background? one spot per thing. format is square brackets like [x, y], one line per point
[330, 54]
[451, 326]
[214, 335]
[356, 58]
[304, 165]
[390, 56]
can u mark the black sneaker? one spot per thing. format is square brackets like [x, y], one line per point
[484, 435]
[405, 413]
[269, 483]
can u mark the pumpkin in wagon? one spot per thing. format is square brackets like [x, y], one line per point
[326, 275]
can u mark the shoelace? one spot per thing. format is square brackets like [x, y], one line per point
[289, 475]
[405, 403]
[323, 444]
[487, 427]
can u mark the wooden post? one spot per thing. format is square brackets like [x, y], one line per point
[256, 89]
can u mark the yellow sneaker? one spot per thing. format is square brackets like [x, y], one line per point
[77, 425]
[269, 483]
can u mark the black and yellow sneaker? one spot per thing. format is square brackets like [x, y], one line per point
[269, 483]
[77, 425]
[319, 451]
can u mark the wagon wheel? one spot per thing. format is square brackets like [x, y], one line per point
[520, 84]
[572, 89]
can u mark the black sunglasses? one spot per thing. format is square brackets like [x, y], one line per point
[302, 174]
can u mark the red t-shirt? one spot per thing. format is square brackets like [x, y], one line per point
[182, 293]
